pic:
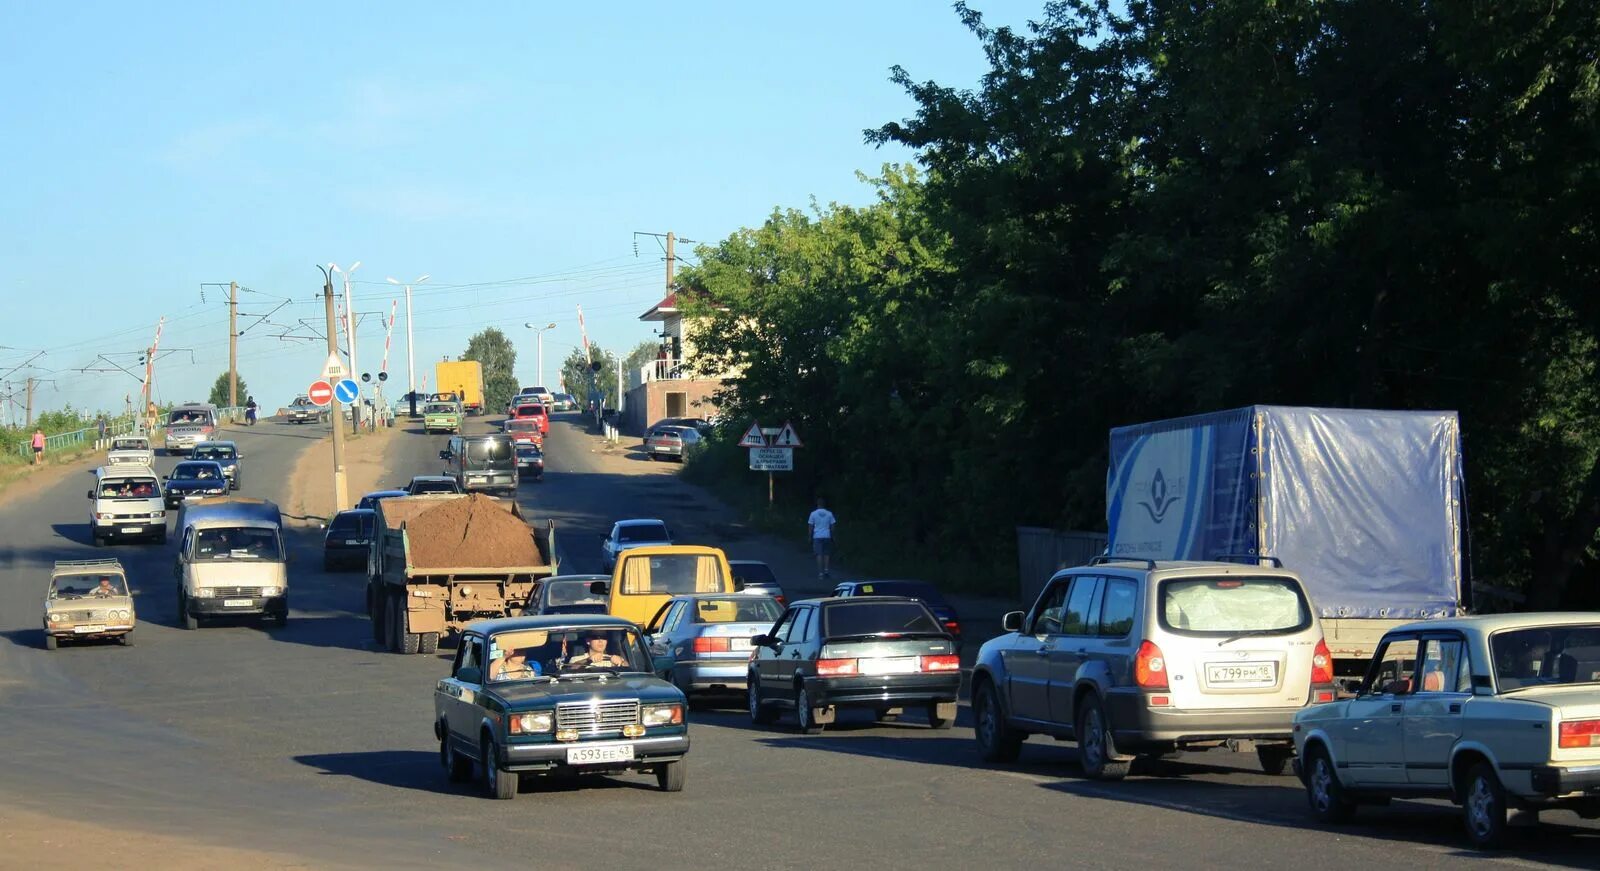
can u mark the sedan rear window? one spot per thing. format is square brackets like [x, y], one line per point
[879, 618]
[754, 573]
[642, 532]
[1229, 605]
[1541, 655]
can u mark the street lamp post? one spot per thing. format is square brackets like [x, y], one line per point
[350, 336]
[411, 367]
[539, 331]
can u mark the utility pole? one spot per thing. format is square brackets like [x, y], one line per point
[411, 364]
[341, 495]
[233, 344]
[30, 403]
[671, 258]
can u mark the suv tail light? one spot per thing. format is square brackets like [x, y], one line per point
[1321, 664]
[836, 667]
[1150, 667]
[941, 663]
[1580, 733]
[710, 645]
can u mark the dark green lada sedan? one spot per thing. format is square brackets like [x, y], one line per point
[564, 693]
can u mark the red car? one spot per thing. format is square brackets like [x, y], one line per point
[524, 431]
[533, 411]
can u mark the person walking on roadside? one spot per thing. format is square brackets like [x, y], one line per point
[821, 523]
[38, 446]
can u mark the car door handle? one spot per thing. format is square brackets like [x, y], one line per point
[1455, 708]
[1044, 651]
[1395, 707]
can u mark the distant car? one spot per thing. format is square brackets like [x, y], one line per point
[928, 593]
[130, 451]
[569, 594]
[302, 410]
[874, 652]
[557, 695]
[194, 479]
[523, 430]
[701, 643]
[372, 499]
[348, 539]
[629, 534]
[533, 411]
[88, 599]
[564, 402]
[226, 454]
[671, 441]
[757, 578]
[442, 417]
[432, 484]
[530, 462]
[1491, 712]
[544, 396]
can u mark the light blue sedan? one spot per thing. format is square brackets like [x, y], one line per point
[701, 642]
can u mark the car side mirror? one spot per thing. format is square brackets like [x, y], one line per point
[761, 641]
[470, 674]
[599, 588]
[90, 494]
[1012, 621]
[444, 455]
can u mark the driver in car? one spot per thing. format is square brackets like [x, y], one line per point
[104, 590]
[595, 656]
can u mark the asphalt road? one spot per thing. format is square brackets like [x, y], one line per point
[305, 739]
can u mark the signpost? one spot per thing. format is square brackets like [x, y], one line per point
[321, 393]
[771, 450]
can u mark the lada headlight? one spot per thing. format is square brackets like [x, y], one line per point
[271, 591]
[532, 723]
[662, 715]
[56, 617]
[123, 615]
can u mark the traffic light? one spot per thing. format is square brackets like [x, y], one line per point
[596, 366]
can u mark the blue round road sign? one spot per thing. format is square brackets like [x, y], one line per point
[346, 390]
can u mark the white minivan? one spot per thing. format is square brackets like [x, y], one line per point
[126, 503]
[231, 561]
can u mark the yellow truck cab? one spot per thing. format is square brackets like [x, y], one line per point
[646, 577]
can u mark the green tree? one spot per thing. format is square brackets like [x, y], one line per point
[219, 391]
[495, 353]
[643, 354]
[576, 374]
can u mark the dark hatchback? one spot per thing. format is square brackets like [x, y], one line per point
[926, 592]
[875, 652]
[195, 479]
[569, 594]
[530, 461]
[348, 540]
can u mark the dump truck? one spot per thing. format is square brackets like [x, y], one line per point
[1365, 505]
[440, 561]
[464, 378]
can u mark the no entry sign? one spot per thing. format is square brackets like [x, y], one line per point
[321, 393]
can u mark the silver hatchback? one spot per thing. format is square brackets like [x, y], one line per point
[1135, 657]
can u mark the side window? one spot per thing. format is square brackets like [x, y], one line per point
[188, 539]
[1441, 666]
[662, 619]
[1078, 619]
[1464, 672]
[675, 616]
[1118, 598]
[1047, 616]
[1392, 668]
[798, 626]
[470, 655]
[780, 629]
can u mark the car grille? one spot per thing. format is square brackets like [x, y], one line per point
[597, 716]
[236, 592]
[83, 616]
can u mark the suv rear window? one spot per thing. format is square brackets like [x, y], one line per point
[1230, 605]
[874, 618]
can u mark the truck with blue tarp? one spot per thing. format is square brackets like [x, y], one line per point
[1367, 506]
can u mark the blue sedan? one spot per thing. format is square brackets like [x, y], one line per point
[702, 642]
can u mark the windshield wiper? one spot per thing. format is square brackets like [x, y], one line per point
[1250, 634]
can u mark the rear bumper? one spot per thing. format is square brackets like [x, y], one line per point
[730, 674]
[1134, 722]
[1550, 781]
[552, 757]
[878, 690]
[496, 481]
[346, 555]
[218, 607]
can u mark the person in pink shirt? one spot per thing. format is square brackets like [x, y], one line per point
[38, 446]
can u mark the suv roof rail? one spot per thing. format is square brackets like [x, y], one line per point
[1103, 559]
[1254, 557]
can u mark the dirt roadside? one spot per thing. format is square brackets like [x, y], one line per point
[34, 840]
[311, 483]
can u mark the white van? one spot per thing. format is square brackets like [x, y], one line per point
[231, 561]
[190, 424]
[126, 502]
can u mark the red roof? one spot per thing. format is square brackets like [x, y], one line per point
[666, 307]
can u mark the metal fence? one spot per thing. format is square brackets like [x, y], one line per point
[114, 429]
[1042, 552]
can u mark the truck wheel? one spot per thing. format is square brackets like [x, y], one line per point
[404, 642]
[428, 642]
[669, 776]
[375, 614]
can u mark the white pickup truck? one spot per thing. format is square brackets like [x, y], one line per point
[130, 451]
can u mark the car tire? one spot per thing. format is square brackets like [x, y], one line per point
[457, 768]
[51, 642]
[428, 642]
[501, 785]
[189, 621]
[1097, 748]
[804, 713]
[125, 639]
[1485, 808]
[1274, 759]
[997, 741]
[669, 776]
[1324, 793]
[937, 722]
[761, 714]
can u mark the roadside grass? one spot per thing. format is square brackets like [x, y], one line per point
[865, 543]
[14, 467]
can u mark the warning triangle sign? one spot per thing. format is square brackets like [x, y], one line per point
[753, 437]
[787, 437]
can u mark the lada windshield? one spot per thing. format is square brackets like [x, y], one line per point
[440, 409]
[244, 543]
[96, 586]
[1545, 655]
[567, 593]
[531, 653]
[130, 445]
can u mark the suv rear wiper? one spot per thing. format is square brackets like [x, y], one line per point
[1250, 634]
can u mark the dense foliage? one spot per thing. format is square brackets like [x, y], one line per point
[219, 392]
[498, 356]
[1152, 209]
[576, 374]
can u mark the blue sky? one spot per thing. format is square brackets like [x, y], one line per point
[151, 148]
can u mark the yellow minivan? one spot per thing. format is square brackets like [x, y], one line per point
[646, 577]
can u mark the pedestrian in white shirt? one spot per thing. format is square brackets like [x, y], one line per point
[821, 523]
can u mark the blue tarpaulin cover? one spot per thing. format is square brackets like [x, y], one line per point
[1366, 506]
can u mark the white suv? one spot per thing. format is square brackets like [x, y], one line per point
[1135, 657]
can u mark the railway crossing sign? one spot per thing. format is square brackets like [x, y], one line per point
[346, 391]
[333, 370]
[753, 437]
[321, 393]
